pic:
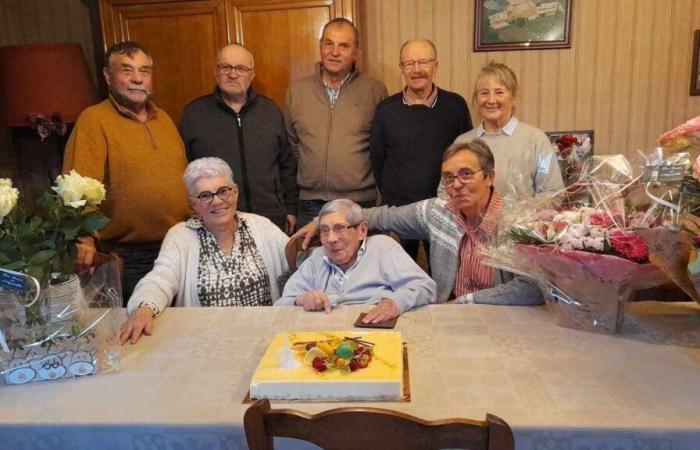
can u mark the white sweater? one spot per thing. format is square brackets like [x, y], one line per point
[174, 273]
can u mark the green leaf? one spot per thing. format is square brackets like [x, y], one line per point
[48, 243]
[17, 265]
[39, 272]
[42, 256]
[35, 222]
[94, 221]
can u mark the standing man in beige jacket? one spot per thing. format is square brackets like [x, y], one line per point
[328, 120]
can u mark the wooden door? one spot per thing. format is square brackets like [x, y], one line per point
[283, 36]
[182, 36]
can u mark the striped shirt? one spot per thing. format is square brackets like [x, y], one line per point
[472, 274]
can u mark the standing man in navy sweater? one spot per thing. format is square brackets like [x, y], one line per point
[411, 130]
[247, 131]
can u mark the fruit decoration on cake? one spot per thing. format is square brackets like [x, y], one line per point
[347, 354]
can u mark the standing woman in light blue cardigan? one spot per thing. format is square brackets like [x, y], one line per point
[525, 162]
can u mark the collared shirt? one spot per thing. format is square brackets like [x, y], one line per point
[472, 274]
[382, 270]
[333, 94]
[410, 100]
[338, 273]
[508, 129]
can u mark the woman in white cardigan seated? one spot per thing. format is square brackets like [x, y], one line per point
[219, 257]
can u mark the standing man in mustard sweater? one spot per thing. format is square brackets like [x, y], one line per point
[328, 120]
[134, 148]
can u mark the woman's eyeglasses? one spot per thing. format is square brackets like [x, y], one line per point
[223, 193]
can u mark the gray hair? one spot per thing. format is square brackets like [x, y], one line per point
[209, 167]
[128, 48]
[353, 211]
[479, 148]
[342, 21]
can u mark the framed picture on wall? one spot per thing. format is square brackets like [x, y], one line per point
[572, 148]
[695, 69]
[521, 24]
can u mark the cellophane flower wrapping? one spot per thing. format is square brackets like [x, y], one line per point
[587, 258]
[677, 195]
[78, 337]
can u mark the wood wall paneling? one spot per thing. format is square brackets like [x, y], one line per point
[283, 36]
[625, 76]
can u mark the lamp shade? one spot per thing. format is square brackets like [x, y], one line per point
[43, 79]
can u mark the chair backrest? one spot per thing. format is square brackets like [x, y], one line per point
[294, 253]
[372, 428]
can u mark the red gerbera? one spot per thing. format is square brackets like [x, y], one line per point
[630, 245]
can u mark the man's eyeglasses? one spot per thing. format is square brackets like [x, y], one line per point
[223, 193]
[465, 176]
[422, 63]
[339, 230]
[240, 69]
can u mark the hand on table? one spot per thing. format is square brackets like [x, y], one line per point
[140, 322]
[307, 232]
[385, 310]
[314, 301]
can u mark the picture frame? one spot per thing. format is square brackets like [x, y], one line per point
[572, 148]
[522, 24]
[694, 67]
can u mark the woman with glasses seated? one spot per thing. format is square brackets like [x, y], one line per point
[524, 158]
[456, 228]
[219, 257]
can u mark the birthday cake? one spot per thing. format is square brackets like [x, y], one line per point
[331, 365]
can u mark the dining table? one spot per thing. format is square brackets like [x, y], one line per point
[558, 388]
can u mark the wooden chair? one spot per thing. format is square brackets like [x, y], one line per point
[372, 428]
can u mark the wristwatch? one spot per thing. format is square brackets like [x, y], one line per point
[152, 306]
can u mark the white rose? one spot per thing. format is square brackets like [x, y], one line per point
[94, 191]
[76, 190]
[8, 197]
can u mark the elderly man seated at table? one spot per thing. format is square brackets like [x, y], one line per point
[352, 268]
[456, 228]
[219, 257]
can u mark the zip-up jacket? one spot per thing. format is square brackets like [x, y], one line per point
[254, 143]
[332, 143]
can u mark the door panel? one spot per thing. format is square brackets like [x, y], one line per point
[283, 36]
[183, 38]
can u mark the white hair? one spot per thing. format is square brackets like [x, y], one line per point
[208, 167]
[353, 211]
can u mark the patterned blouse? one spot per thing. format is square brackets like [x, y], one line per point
[237, 279]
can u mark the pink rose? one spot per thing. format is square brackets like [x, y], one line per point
[690, 129]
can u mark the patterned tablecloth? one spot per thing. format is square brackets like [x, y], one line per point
[558, 388]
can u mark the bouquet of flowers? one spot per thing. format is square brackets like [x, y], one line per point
[589, 260]
[49, 327]
[671, 175]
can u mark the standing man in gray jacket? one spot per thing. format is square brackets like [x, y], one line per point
[328, 122]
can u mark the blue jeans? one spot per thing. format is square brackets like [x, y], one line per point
[308, 209]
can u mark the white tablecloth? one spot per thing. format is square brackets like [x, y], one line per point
[558, 388]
